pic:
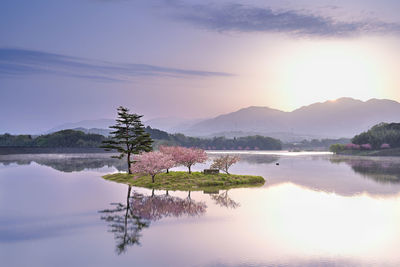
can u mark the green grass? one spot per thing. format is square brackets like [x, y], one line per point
[184, 181]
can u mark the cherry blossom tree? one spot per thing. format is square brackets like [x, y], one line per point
[352, 146]
[385, 146]
[173, 151]
[152, 163]
[225, 162]
[190, 156]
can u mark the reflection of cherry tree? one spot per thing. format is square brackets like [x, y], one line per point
[127, 221]
[156, 207]
[224, 200]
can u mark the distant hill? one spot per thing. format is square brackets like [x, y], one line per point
[105, 132]
[101, 126]
[87, 124]
[343, 117]
[78, 139]
[172, 124]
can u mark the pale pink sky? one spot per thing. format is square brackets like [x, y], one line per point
[81, 59]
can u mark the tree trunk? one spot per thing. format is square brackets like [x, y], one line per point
[167, 170]
[128, 156]
[152, 178]
[190, 171]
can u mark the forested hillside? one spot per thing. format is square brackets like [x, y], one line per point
[79, 139]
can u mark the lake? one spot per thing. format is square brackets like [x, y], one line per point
[315, 209]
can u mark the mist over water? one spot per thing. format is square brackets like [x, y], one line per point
[314, 210]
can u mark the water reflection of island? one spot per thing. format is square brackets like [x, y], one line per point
[127, 221]
[382, 170]
[80, 162]
[66, 162]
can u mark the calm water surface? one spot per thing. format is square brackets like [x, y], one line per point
[314, 210]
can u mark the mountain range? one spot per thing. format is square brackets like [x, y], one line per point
[343, 117]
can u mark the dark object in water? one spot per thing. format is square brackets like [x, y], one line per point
[277, 164]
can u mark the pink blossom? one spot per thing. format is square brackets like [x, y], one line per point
[366, 146]
[352, 146]
[190, 156]
[173, 151]
[385, 146]
[152, 163]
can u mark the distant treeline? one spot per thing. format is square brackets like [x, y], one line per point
[313, 144]
[383, 133]
[73, 138]
[256, 142]
[383, 136]
[64, 138]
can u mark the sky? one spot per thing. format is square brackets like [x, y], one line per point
[68, 61]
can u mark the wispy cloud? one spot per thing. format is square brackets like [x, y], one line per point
[22, 62]
[244, 18]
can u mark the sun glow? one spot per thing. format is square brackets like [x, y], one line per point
[329, 71]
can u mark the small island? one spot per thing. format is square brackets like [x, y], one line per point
[130, 138]
[183, 181]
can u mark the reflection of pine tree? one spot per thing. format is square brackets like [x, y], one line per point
[124, 224]
[224, 200]
[127, 221]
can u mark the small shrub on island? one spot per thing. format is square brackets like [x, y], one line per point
[336, 148]
[224, 163]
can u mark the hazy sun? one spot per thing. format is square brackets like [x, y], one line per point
[329, 72]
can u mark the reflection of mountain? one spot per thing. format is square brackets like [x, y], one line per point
[126, 221]
[382, 170]
[327, 173]
[66, 162]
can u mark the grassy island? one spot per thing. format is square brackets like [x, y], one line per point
[196, 181]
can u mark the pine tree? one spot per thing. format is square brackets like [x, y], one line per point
[129, 136]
